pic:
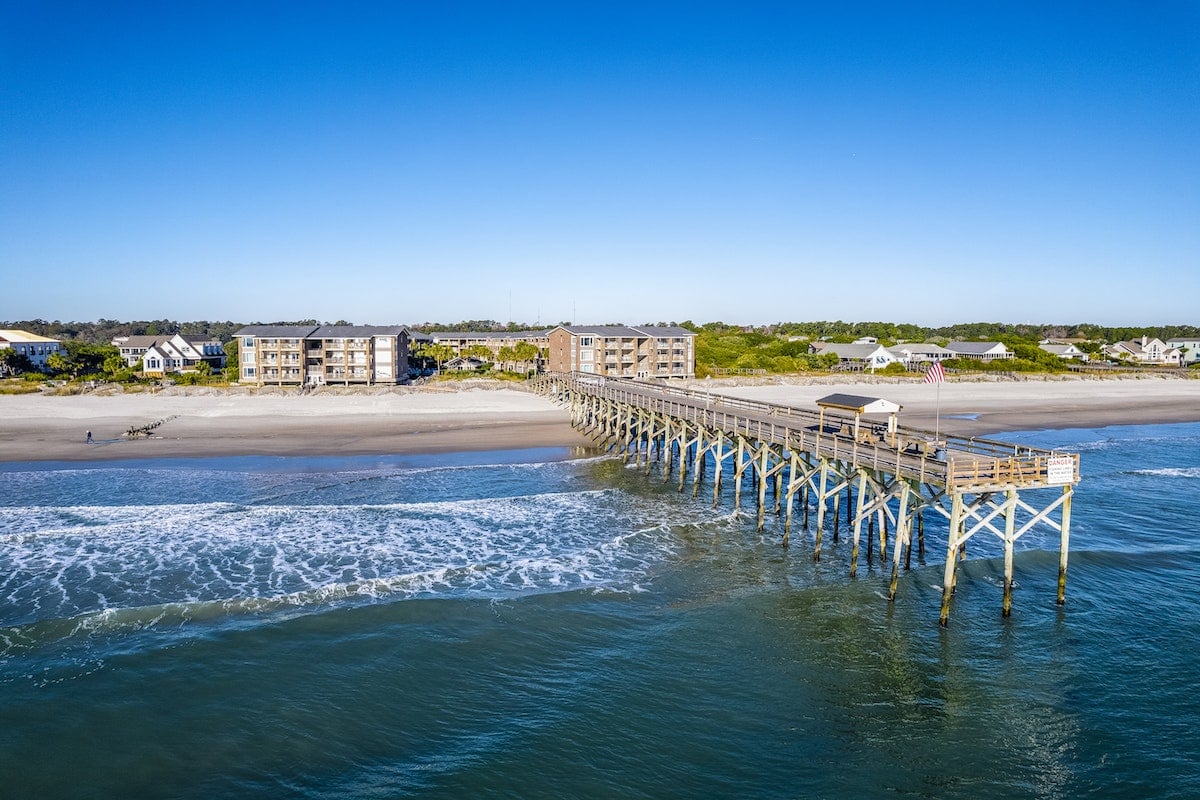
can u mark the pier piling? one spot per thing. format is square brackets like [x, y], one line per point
[975, 485]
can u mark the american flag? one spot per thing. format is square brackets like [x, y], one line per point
[935, 373]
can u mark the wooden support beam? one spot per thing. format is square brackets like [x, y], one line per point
[883, 534]
[702, 447]
[848, 506]
[805, 499]
[952, 546]
[862, 493]
[1010, 525]
[668, 454]
[1063, 542]
[870, 536]
[739, 468]
[794, 486]
[719, 455]
[837, 498]
[629, 434]
[640, 422]
[920, 534]
[903, 536]
[821, 509]
[763, 464]
[684, 452]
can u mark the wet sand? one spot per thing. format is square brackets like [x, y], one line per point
[38, 428]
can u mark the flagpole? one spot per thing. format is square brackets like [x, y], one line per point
[936, 375]
[937, 412]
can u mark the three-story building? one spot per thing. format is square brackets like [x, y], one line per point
[623, 351]
[290, 355]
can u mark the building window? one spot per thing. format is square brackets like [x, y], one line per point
[585, 341]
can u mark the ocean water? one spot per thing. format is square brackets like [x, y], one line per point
[549, 624]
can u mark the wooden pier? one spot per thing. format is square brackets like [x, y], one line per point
[888, 475]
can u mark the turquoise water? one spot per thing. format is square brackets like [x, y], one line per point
[546, 623]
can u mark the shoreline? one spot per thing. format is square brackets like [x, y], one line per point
[199, 424]
[190, 425]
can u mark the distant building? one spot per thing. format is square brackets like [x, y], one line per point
[914, 355]
[463, 364]
[1189, 349]
[174, 353]
[1065, 351]
[460, 341]
[623, 351]
[36, 348]
[856, 356]
[291, 355]
[1146, 350]
[980, 351]
[272, 353]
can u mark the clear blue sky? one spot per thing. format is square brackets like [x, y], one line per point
[928, 162]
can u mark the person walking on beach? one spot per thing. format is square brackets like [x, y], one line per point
[89, 437]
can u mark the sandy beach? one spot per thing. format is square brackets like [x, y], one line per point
[988, 407]
[198, 423]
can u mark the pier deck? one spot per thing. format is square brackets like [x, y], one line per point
[896, 472]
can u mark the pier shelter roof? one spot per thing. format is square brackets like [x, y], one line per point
[861, 405]
[858, 404]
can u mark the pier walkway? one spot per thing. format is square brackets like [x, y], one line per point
[889, 475]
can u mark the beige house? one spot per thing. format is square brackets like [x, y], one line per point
[293, 355]
[623, 351]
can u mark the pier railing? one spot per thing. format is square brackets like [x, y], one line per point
[956, 462]
[895, 472]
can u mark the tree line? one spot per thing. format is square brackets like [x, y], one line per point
[782, 347]
[839, 331]
[103, 331]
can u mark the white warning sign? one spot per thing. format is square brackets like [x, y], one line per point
[1060, 470]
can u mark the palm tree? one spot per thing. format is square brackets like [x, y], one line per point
[58, 363]
[507, 355]
[526, 353]
[438, 352]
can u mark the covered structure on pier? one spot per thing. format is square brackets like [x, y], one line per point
[980, 489]
[859, 405]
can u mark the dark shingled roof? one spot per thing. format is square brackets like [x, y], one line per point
[138, 341]
[356, 331]
[277, 331]
[628, 330]
[856, 403]
[539, 334]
